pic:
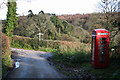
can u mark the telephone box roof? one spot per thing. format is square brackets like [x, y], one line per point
[100, 30]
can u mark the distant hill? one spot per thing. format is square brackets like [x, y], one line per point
[77, 27]
[75, 16]
[88, 22]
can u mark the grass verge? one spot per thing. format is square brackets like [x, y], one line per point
[78, 65]
[112, 72]
[16, 45]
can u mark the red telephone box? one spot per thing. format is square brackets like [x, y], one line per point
[100, 48]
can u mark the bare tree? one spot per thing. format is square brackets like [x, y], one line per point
[109, 8]
[108, 5]
[3, 3]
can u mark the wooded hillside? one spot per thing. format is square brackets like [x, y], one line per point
[51, 26]
[76, 27]
[89, 22]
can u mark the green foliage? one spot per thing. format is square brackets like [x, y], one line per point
[62, 26]
[11, 22]
[57, 23]
[25, 43]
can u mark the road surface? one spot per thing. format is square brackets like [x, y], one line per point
[33, 64]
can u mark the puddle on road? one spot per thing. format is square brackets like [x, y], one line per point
[17, 63]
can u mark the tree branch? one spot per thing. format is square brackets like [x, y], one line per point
[2, 4]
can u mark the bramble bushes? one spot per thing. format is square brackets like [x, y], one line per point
[72, 53]
[74, 46]
[53, 44]
[6, 54]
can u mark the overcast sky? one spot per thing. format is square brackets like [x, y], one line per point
[52, 6]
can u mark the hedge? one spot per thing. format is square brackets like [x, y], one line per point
[33, 43]
[6, 54]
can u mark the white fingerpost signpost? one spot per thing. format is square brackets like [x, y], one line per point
[40, 36]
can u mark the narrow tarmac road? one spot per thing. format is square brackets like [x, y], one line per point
[33, 64]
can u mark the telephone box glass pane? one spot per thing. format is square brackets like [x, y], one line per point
[102, 49]
[93, 48]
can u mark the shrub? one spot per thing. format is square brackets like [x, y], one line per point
[73, 46]
[6, 54]
[53, 44]
[34, 43]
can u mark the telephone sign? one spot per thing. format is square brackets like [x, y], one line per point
[102, 33]
[100, 48]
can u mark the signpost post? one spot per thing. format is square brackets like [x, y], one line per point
[40, 36]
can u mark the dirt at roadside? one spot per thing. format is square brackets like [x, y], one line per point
[72, 72]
